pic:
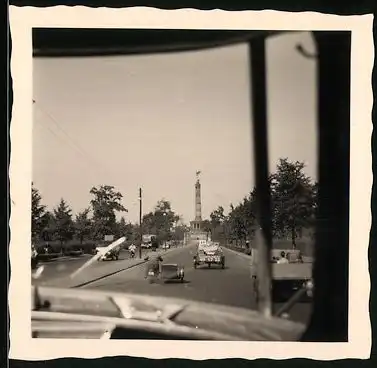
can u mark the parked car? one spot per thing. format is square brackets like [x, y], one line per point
[111, 255]
[287, 279]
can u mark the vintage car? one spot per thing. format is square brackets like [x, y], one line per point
[167, 272]
[202, 242]
[287, 279]
[149, 242]
[111, 255]
[209, 253]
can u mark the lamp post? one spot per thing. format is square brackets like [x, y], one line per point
[140, 220]
[165, 227]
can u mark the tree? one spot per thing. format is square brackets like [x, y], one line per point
[238, 223]
[206, 226]
[49, 227]
[165, 219]
[217, 217]
[242, 219]
[161, 221]
[249, 209]
[105, 204]
[149, 224]
[293, 199]
[64, 227]
[179, 232]
[83, 225]
[38, 212]
[125, 229]
[217, 222]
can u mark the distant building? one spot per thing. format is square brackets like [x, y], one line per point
[196, 226]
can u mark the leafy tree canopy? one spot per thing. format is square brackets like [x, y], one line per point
[105, 203]
[64, 227]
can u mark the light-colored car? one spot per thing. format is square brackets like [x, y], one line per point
[287, 279]
[146, 245]
[209, 253]
[111, 255]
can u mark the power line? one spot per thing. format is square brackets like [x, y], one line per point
[78, 148]
[52, 132]
[59, 138]
[74, 144]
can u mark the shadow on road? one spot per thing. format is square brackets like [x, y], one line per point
[167, 282]
[214, 268]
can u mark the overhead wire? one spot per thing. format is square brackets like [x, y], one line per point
[74, 144]
[60, 139]
[89, 160]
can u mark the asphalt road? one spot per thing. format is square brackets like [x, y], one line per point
[62, 267]
[229, 286]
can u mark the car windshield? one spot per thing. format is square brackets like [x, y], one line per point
[199, 200]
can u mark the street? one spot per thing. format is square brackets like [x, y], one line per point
[63, 267]
[229, 286]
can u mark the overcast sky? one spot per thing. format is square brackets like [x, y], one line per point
[92, 126]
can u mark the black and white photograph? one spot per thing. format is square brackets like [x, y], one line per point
[187, 183]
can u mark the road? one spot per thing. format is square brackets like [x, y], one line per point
[62, 267]
[229, 286]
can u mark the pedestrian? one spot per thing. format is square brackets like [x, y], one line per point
[283, 258]
[132, 250]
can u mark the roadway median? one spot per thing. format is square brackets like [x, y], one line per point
[241, 252]
[105, 269]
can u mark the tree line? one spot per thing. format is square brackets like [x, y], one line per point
[293, 197]
[100, 219]
[293, 206]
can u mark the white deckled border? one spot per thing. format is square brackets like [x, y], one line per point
[23, 19]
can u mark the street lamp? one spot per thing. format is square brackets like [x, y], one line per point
[165, 228]
[140, 220]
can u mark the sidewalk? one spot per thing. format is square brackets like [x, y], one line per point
[64, 259]
[240, 252]
[96, 272]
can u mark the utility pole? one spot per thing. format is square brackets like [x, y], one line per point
[140, 220]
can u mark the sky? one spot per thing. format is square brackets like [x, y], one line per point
[92, 126]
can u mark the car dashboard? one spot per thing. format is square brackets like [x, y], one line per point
[85, 330]
[77, 313]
